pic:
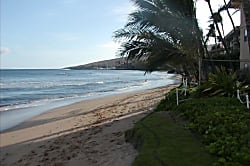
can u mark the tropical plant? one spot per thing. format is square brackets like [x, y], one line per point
[211, 32]
[244, 76]
[222, 83]
[224, 124]
[226, 7]
[160, 32]
[217, 19]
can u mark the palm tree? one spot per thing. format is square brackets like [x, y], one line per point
[160, 32]
[217, 19]
[211, 32]
[225, 7]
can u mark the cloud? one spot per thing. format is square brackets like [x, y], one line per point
[123, 11]
[110, 45]
[64, 36]
[109, 48]
[4, 50]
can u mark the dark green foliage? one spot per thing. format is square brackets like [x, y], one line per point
[218, 60]
[162, 33]
[161, 141]
[223, 123]
[244, 76]
[168, 102]
[222, 83]
[225, 126]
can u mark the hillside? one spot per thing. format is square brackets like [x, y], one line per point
[117, 63]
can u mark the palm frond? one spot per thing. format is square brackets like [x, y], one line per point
[160, 32]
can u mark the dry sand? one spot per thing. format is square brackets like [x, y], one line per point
[88, 133]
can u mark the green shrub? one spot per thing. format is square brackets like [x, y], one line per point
[223, 122]
[169, 103]
[225, 126]
[223, 83]
[244, 76]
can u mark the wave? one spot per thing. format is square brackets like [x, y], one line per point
[100, 82]
[35, 100]
[39, 85]
[40, 102]
[24, 92]
[37, 91]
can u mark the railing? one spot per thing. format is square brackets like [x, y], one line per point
[184, 88]
[239, 98]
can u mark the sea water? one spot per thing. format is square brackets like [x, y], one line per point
[27, 93]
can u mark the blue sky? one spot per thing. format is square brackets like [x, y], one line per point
[61, 33]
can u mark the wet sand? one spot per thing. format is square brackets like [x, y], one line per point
[89, 132]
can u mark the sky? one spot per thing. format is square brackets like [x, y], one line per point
[60, 33]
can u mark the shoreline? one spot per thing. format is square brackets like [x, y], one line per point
[12, 118]
[90, 132]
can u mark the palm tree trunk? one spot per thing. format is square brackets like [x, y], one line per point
[231, 19]
[218, 29]
[229, 15]
[222, 27]
[206, 50]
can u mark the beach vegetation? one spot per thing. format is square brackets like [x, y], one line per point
[161, 141]
[221, 123]
[209, 119]
[217, 19]
[213, 114]
[163, 34]
[244, 76]
[222, 83]
[224, 124]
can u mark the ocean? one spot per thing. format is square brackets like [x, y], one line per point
[30, 92]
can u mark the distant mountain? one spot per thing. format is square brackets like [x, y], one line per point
[116, 64]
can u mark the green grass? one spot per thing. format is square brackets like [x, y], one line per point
[224, 124]
[161, 141]
[219, 133]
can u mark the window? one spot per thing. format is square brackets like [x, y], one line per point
[245, 66]
[245, 35]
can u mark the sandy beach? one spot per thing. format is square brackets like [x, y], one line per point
[89, 132]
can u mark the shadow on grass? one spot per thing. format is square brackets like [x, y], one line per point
[162, 141]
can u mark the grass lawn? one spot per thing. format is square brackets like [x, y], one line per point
[163, 141]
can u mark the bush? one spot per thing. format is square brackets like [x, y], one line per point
[223, 83]
[244, 76]
[225, 126]
[223, 122]
[160, 141]
[168, 102]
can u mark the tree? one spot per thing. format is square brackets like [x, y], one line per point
[225, 7]
[211, 32]
[217, 19]
[160, 32]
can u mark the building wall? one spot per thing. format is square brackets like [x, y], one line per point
[244, 45]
